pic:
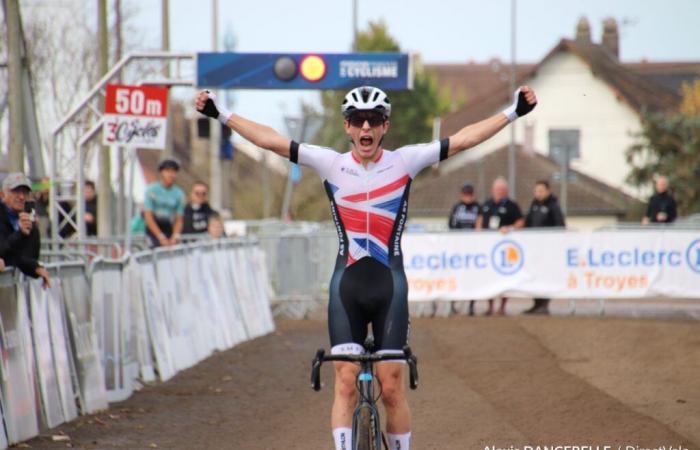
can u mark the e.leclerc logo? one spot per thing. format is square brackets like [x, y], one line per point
[507, 257]
[692, 256]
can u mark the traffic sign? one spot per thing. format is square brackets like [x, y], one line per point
[389, 71]
[135, 116]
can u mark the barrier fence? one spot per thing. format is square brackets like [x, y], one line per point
[104, 327]
[447, 266]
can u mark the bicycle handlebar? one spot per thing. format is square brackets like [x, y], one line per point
[407, 356]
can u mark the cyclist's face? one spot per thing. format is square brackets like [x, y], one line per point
[366, 129]
[168, 176]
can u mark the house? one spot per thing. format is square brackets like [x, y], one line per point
[590, 107]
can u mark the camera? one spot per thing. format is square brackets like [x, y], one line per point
[30, 208]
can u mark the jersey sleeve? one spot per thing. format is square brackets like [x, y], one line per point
[318, 158]
[418, 157]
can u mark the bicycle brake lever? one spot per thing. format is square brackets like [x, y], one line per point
[316, 369]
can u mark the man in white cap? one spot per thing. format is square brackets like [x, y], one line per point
[19, 237]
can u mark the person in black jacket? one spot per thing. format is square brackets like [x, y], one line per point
[466, 215]
[90, 194]
[502, 214]
[544, 212]
[662, 205]
[19, 236]
[198, 211]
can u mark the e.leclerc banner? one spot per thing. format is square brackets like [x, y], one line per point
[556, 264]
[135, 116]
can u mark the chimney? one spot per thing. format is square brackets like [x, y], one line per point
[583, 30]
[611, 37]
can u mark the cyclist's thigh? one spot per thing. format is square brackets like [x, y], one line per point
[391, 322]
[347, 323]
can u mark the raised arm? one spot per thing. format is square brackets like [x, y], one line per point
[474, 134]
[260, 135]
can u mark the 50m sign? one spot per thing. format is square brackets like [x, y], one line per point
[135, 116]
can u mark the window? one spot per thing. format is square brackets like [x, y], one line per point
[564, 145]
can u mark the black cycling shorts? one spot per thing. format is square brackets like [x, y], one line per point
[368, 292]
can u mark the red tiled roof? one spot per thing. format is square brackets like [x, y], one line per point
[434, 193]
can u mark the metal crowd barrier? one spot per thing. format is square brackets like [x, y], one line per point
[106, 326]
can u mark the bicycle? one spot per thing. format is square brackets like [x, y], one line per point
[366, 427]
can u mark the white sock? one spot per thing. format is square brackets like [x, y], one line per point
[399, 441]
[343, 438]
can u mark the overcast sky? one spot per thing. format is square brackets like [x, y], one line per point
[440, 31]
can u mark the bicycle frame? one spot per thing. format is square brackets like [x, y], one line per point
[365, 378]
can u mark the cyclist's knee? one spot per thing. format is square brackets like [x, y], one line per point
[345, 376]
[393, 392]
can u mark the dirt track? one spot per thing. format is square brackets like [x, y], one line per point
[484, 382]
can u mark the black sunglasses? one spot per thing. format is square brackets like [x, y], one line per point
[359, 118]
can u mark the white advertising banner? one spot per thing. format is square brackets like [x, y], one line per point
[18, 382]
[63, 359]
[554, 264]
[138, 328]
[51, 406]
[226, 285]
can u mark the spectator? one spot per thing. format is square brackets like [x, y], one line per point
[2, 265]
[198, 211]
[662, 206]
[503, 214]
[41, 197]
[19, 237]
[90, 194]
[466, 215]
[544, 212]
[164, 205]
[215, 226]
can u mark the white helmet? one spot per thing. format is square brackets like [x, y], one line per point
[366, 98]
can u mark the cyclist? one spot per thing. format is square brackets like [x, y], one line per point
[368, 191]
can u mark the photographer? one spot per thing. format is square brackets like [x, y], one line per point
[19, 234]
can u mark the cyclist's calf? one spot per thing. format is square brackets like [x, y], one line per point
[394, 397]
[346, 394]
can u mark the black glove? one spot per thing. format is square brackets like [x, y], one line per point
[520, 106]
[214, 110]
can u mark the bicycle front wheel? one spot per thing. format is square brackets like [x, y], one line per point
[364, 434]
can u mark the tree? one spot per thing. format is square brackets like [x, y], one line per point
[669, 144]
[412, 111]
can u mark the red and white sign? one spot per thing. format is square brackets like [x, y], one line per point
[135, 116]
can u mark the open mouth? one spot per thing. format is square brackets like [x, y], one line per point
[366, 141]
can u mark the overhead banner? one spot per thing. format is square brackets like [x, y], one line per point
[135, 116]
[389, 71]
[553, 264]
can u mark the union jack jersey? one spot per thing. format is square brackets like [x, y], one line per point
[369, 204]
